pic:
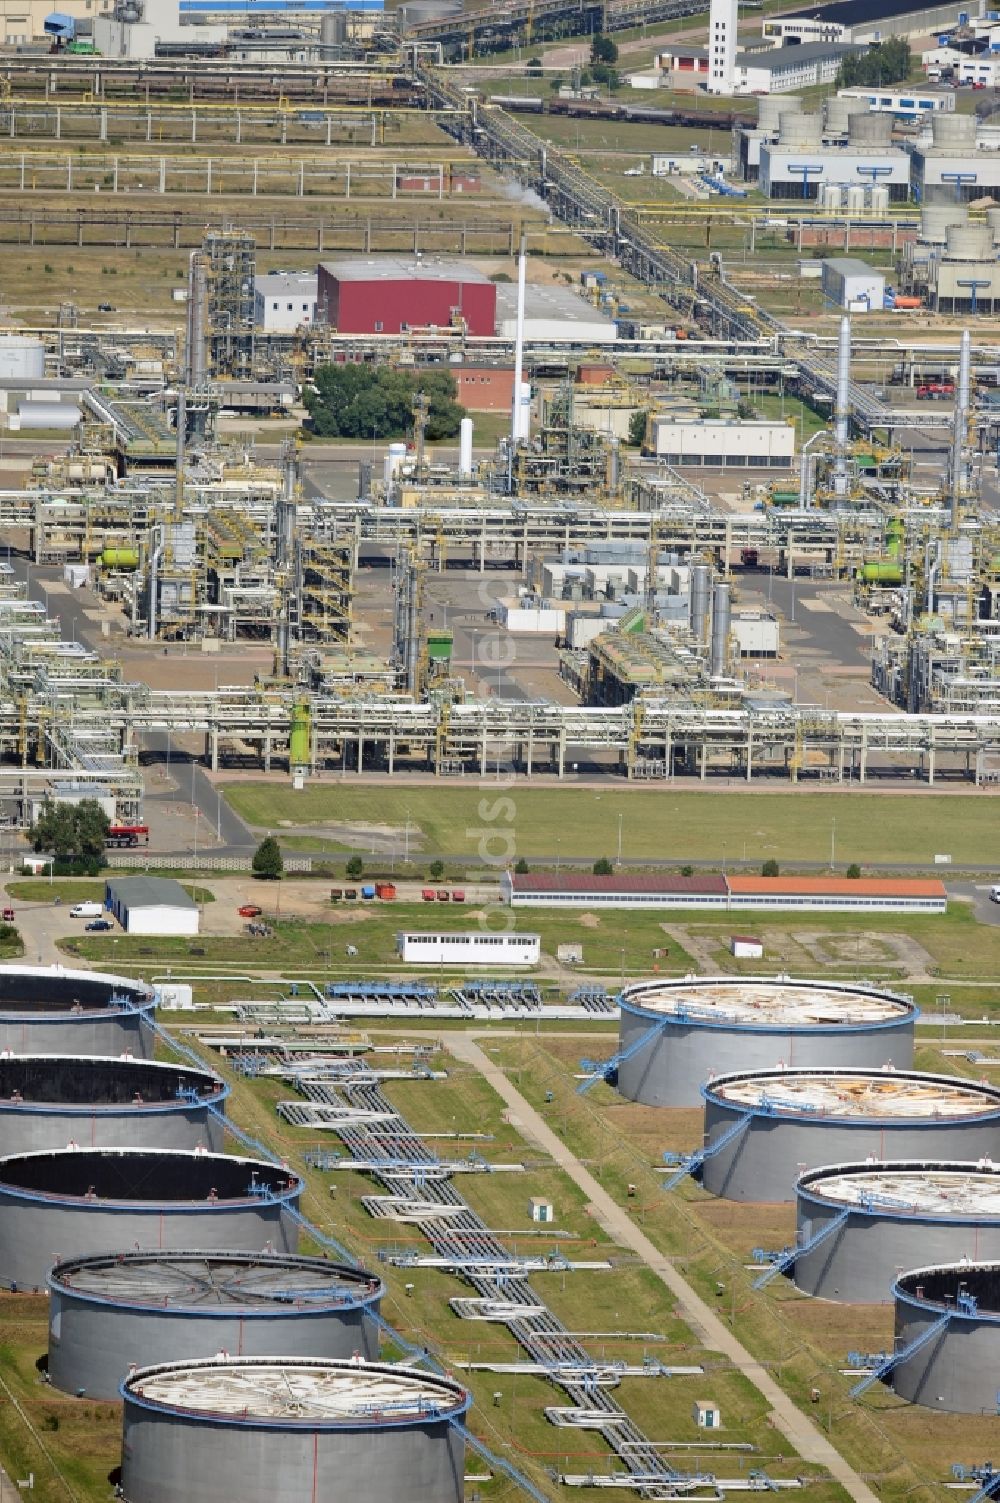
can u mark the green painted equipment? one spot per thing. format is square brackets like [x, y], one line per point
[881, 571]
[300, 737]
[120, 558]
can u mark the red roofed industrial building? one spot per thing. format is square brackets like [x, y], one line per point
[572, 889]
[389, 294]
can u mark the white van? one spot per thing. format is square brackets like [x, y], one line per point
[87, 910]
[995, 894]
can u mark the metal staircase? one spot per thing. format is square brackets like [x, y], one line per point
[601, 1069]
[780, 1265]
[878, 1374]
[693, 1162]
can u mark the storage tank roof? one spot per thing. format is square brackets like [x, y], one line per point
[298, 1393]
[825, 1094]
[942, 1191]
[794, 1004]
[206, 1281]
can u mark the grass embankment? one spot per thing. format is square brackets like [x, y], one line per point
[657, 825]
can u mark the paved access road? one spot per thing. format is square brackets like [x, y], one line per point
[797, 1428]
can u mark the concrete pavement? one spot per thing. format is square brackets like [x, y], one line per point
[797, 1428]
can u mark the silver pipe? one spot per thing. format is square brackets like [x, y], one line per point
[960, 433]
[843, 411]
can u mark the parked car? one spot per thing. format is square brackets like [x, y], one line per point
[99, 926]
[250, 910]
[8, 915]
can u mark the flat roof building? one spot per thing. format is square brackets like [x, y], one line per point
[152, 905]
[284, 301]
[645, 890]
[553, 315]
[390, 294]
[865, 21]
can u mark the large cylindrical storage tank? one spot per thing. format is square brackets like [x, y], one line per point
[969, 242]
[705, 1026]
[296, 1430]
[786, 1121]
[91, 1101]
[50, 1010]
[958, 1369]
[950, 130]
[21, 357]
[771, 107]
[798, 129]
[870, 129]
[81, 1200]
[117, 1311]
[415, 12]
[36, 415]
[882, 1218]
[935, 219]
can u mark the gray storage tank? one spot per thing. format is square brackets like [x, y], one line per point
[51, 1010]
[117, 1311]
[676, 1035]
[61, 1204]
[292, 1429]
[780, 1122]
[91, 1101]
[957, 1368]
[861, 1225]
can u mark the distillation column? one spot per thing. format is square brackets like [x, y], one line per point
[841, 430]
[960, 434]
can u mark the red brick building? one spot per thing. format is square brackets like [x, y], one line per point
[389, 294]
[484, 388]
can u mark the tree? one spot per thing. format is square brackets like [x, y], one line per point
[268, 861]
[533, 67]
[363, 401]
[854, 871]
[770, 869]
[603, 867]
[637, 427]
[555, 84]
[71, 832]
[602, 49]
[521, 867]
[436, 870]
[603, 73]
[883, 63]
[355, 867]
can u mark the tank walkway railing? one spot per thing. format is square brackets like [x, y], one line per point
[880, 1373]
[498, 1463]
[782, 1264]
[596, 1070]
[986, 1474]
[693, 1162]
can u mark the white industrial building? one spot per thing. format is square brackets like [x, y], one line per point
[786, 68]
[791, 170]
[553, 315]
[852, 284]
[461, 950]
[905, 103]
[723, 19]
[755, 633]
[152, 905]
[960, 162]
[528, 615]
[284, 301]
[723, 442]
[866, 21]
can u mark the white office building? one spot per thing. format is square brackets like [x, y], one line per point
[462, 950]
[284, 301]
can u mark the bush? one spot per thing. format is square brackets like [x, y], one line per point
[436, 870]
[687, 871]
[521, 867]
[770, 869]
[854, 871]
[637, 427]
[355, 867]
[267, 860]
[603, 867]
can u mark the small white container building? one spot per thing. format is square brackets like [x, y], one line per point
[461, 950]
[853, 285]
[541, 1209]
[743, 947]
[706, 1414]
[152, 905]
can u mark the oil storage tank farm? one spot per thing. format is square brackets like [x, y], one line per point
[860, 1225]
[116, 1311]
[675, 1035]
[49, 1010]
[76, 1201]
[53, 1101]
[948, 1337]
[763, 1127]
[294, 1430]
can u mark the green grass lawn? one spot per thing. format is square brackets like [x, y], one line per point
[80, 890]
[657, 825]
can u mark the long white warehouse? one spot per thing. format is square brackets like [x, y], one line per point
[469, 949]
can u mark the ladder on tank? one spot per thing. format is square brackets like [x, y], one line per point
[596, 1070]
[780, 1265]
[693, 1162]
[878, 1374]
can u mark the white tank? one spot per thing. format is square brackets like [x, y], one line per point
[797, 129]
[953, 130]
[869, 129]
[465, 448]
[395, 454]
[831, 196]
[855, 199]
[35, 415]
[935, 219]
[22, 357]
[993, 220]
[770, 108]
[969, 242]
